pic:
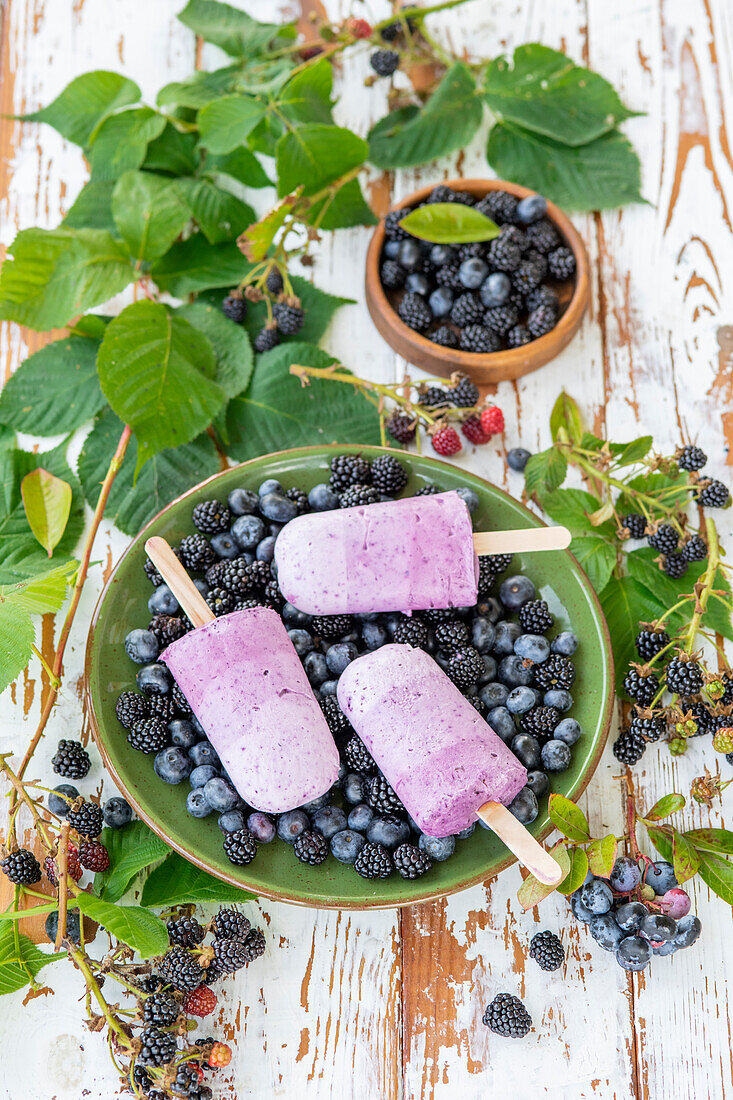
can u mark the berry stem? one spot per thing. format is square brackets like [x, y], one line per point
[704, 587]
[54, 680]
[81, 961]
[62, 860]
[19, 790]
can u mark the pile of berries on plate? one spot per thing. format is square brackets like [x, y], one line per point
[480, 297]
[506, 654]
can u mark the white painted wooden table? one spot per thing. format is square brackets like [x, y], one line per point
[387, 1005]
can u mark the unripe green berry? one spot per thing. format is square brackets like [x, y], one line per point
[723, 740]
[646, 892]
[678, 746]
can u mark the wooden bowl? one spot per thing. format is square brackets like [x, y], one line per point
[498, 366]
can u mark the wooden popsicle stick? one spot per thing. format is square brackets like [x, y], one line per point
[520, 841]
[178, 580]
[524, 540]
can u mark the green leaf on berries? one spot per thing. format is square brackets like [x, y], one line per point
[178, 882]
[662, 841]
[545, 472]
[131, 850]
[220, 215]
[636, 450]
[568, 818]
[306, 97]
[625, 604]
[643, 567]
[685, 858]
[314, 156]
[226, 123]
[47, 505]
[572, 508]
[342, 208]
[200, 88]
[195, 265]
[602, 855]
[84, 103]
[172, 153]
[232, 349]
[717, 617]
[122, 140]
[54, 391]
[133, 924]
[597, 556]
[717, 874]
[532, 891]
[38, 595]
[566, 414]
[235, 32]
[92, 208]
[664, 807]
[576, 875]
[20, 961]
[148, 213]
[241, 165]
[258, 236]
[711, 840]
[449, 223]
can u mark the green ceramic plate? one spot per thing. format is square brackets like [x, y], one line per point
[275, 872]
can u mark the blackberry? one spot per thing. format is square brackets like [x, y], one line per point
[541, 321]
[259, 573]
[152, 573]
[664, 539]
[445, 337]
[684, 677]
[384, 62]
[465, 666]
[167, 628]
[519, 336]
[478, 705]
[714, 494]
[486, 575]
[274, 281]
[542, 235]
[641, 689]
[634, 524]
[435, 397]
[695, 549]
[185, 931]
[266, 339]
[229, 924]
[229, 955]
[466, 310]
[500, 206]
[392, 275]
[470, 250]
[331, 626]
[410, 861]
[651, 728]
[131, 706]
[540, 721]
[428, 491]
[411, 631]
[210, 517]
[71, 760]
[22, 867]
[196, 553]
[181, 969]
[435, 614]
[373, 861]
[529, 273]
[240, 847]
[501, 318]
[289, 318]
[401, 427]
[451, 635]
[93, 855]
[497, 563]
[349, 470]
[479, 340]
[299, 499]
[555, 672]
[311, 847]
[382, 798]
[357, 756]
[703, 719]
[160, 1009]
[187, 1082]
[220, 600]
[691, 458]
[507, 1016]
[440, 193]
[561, 263]
[254, 942]
[393, 231]
[163, 707]
[535, 617]
[235, 308]
[388, 475]
[650, 642]
[157, 1047]
[465, 394]
[233, 575]
[546, 949]
[335, 717]
[515, 235]
[73, 866]
[675, 565]
[148, 735]
[629, 748]
[86, 819]
[543, 296]
[415, 312]
[448, 276]
[357, 496]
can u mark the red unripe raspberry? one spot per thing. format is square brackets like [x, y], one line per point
[73, 866]
[492, 420]
[200, 1001]
[447, 441]
[221, 1055]
[360, 28]
[94, 856]
[474, 432]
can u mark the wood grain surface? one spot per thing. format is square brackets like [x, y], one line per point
[387, 1005]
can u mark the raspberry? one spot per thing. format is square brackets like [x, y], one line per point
[519, 336]
[465, 666]
[158, 1047]
[465, 393]
[415, 312]
[358, 496]
[473, 431]
[410, 861]
[641, 689]
[492, 420]
[331, 626]
[629, 748]
[200, 1001]
[401, 427]
[664, 539]
[634, 524]
[311, 847]
[714, 494]
[21, 867]
[181, 969]
[130, 706]
[650, 642]
[360, 28]
[289, 318]
[446, 441]
[561, 263]
[388, 475]
[373, 861]
[466, 310]
[392, 275]
[235, 308]
[547, 950]
[93, 855]
[479, 340]
[196, 553]
[266, 339]
[535, 617]
[384, 62]
[186, 932]
[220, 1056]
[160, 1009]
[210, 517]
[229, 925]
[349, 470]
[445, 337]
[501, 318]
[691, 458]
[71, 760]
[695, 549]
[541, 321]
[240, 847]
[507, 1016]
[87, 819]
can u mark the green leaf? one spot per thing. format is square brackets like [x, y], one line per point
[258, 236]
[17, 636]
[711, 840]
[92, 208]
[597, 556]
[58, 273]
[566, 414]
[36, 596]
[568, 818]
[576, 875]
[133, 924]
[15, 965]
[172, 152]
[226, 123]
[602, 855]
[601, 175]
[313, 156]
[131, 849]
[543, 90]
[532, 891]
[644, 569]
[232, 30]
[661, 841]
[200, 88]
[342, 209]
[545, 471]
[636, 450]
[41, 594]
[669, 804]
[277, 407]
[122, 140]
[54, 391]
[194, 265]
[220, 215]
[232, 349]
[306, 97]
[449, 223]
[148, 213]
[178, 882]
[47, 505]
[571, 508]
[241, 165]
[717, 617]
[717, 874]
[685, 859]
[625, 604]
[84, 103]
[157, 372]
[448, 121]
[132, 502]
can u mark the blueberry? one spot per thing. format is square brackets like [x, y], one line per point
[197, 803]
[266, 549]
[316, 668]
[532, 647]
[198, 727]
[605, 931]
[203, 586]
[204, 753]
[116, 811]
[489, 670]
[183, 733]
[467, 832]
[668, 947]
[472, 272]
[224, 545]
[172, 765]
[409, 254]
[241, 502]
[292, 824]
[247, 531]
[469, 496]
[293, 617]
[514, 672]
[538, 782]
[625, 875]
[515, 591]
[373, 635]
[494, 694]
[501, 722]
[524, 806]
[141, 646]
[317, 804]
[495, 289]
[491, 609]
[278, 508]
[688, 929]
[329, 687]
[361, 817]
[58, 805]
[201, 775]
[438, 848]
[154, 679]
[346, 845]
[221, 795]
[302, 641]
[440, 301]
[162, 601]
[340, 656]
[517, 459]
[630, 915]
[556, 756]
[483, 634]
[660, 876]
[565, 644]
[567, 730]
[559, 698]
[353, 789]
[322, 498]
[527, 750]
[658, 926]
[582, 912]
[596, 896]
[531, 209]
[261, 826]
[73, 925]
[441, 254]
[633, 953]
[506, 635]
[388, 831]
[416, 283]
[270, 485]
[391, 248]
[329, 820]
